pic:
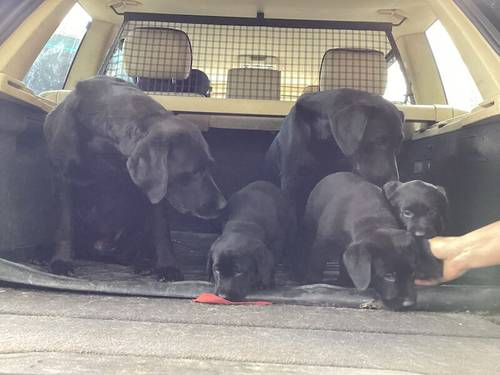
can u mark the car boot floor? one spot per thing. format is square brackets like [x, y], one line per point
[61, 332]
[192, 249]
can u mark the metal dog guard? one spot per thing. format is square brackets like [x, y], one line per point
[273, 55]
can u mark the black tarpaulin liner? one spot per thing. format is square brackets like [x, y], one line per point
[192, 249]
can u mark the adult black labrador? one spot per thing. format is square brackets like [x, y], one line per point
[346, 215]
[117, 154]
[259, 226]
[331, 131]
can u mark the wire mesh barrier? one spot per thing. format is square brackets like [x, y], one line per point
[272, 61]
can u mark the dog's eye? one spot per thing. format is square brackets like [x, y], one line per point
[407, 213]
[390, 276]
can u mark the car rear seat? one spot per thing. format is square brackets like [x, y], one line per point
[253, 83]
[160, 60]
[197, 84]
[56, 96]
[361, 69]
[310, 88]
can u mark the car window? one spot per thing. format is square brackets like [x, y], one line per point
[460, 89]
[51, 67]
[396, 90]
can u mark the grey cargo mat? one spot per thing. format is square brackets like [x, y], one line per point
[191, 249]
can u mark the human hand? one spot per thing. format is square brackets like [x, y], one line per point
[454, 259]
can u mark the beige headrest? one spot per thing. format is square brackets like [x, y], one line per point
[361, 69]
[310, 88]
[157, 53]
[253, 83]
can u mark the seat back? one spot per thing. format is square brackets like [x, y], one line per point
[160, 60]
[361, 69]
[253, 83]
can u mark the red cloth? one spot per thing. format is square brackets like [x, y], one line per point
[216, 300]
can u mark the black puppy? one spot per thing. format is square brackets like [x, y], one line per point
[421, 207]
[346, 215]
[259, 225]
[117, 153]
[332, 131]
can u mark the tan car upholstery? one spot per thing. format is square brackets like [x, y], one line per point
[157, 53]
[310, 88]
[57, 96]
[253, 83]
[362, 69]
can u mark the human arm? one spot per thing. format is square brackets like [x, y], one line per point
[477, 249]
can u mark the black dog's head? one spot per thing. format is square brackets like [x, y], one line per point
[173, 161]
[387, 262]
[238, 265]
[367, 128]
[421, 207]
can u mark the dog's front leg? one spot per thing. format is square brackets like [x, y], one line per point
[166, 265]
[64, 253]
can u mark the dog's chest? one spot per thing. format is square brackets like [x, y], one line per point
[103, 162]
[329, 156]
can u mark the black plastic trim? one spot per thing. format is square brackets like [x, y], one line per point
[482, 23]
[10, 20]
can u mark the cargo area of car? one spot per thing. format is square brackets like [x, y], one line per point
[258, 58]
[239, 156]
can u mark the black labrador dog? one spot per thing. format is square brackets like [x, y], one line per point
[332, 131]
[259, 226]
[346, 215]
[117, 154]
[420, 207]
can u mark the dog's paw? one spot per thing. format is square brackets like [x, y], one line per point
[169, 273]
[39, 262]
[372, 305]
[143, 267]
[344, 281]
[61, 267]
[261, 285]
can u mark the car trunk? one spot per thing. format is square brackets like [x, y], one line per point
[461, 161]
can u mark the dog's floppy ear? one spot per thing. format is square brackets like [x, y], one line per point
[358, 262]
[147, 167]
[444, 212]
[402, 115]
[442, 191]
[390, 187]
[348, 127]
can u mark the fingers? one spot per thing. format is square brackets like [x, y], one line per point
[451, 271]
[444, 247]
[421, 282]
